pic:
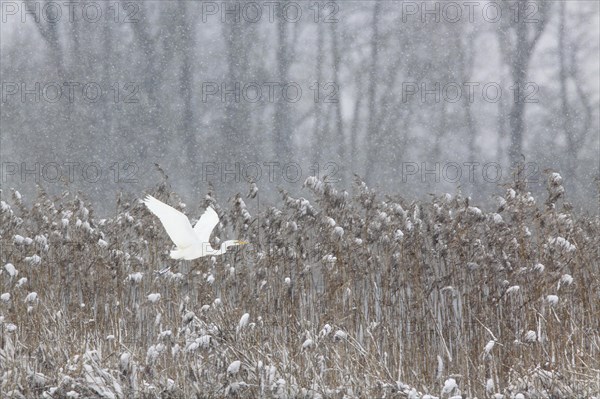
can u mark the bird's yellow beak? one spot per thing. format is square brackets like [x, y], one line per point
[242, 243]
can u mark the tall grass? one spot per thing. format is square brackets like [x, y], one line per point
[347, 296]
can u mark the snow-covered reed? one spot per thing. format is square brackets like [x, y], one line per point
[337, 296]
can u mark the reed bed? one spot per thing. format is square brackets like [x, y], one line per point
[338, 296]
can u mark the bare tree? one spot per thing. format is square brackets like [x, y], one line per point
[337, 104]
[355, 122]
[282, 127]
[576, 120]
[372, 136]
[49, 32]
[465, 44]
[155, 52]
[522, 24]
[186, 34]
[318, 138]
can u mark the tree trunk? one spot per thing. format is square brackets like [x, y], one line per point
[355, 121]
[186, 82]
[339, 124]
[519, 76]
[372, 136]
[282, 131]
[318, 139]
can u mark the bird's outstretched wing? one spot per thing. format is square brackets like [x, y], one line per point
[205, 225]
[176, 224]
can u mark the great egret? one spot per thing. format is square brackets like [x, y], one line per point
[191, 242]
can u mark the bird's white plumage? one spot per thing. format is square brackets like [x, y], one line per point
[191, 242]
[176, 224]
[205, 225]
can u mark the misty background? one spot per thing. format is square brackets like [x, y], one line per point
[414, 97]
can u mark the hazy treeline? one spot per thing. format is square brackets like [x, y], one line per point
[415, 97]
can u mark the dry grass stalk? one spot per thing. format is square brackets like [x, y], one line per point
[346, 297]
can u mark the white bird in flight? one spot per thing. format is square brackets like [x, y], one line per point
[191, 242]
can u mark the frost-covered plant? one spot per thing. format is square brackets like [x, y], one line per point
[338, 295]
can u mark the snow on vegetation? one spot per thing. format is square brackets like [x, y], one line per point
[11, 270]
[154, 297]
[337, 296]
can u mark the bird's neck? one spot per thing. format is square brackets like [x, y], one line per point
[222, 249]
[215, 252]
